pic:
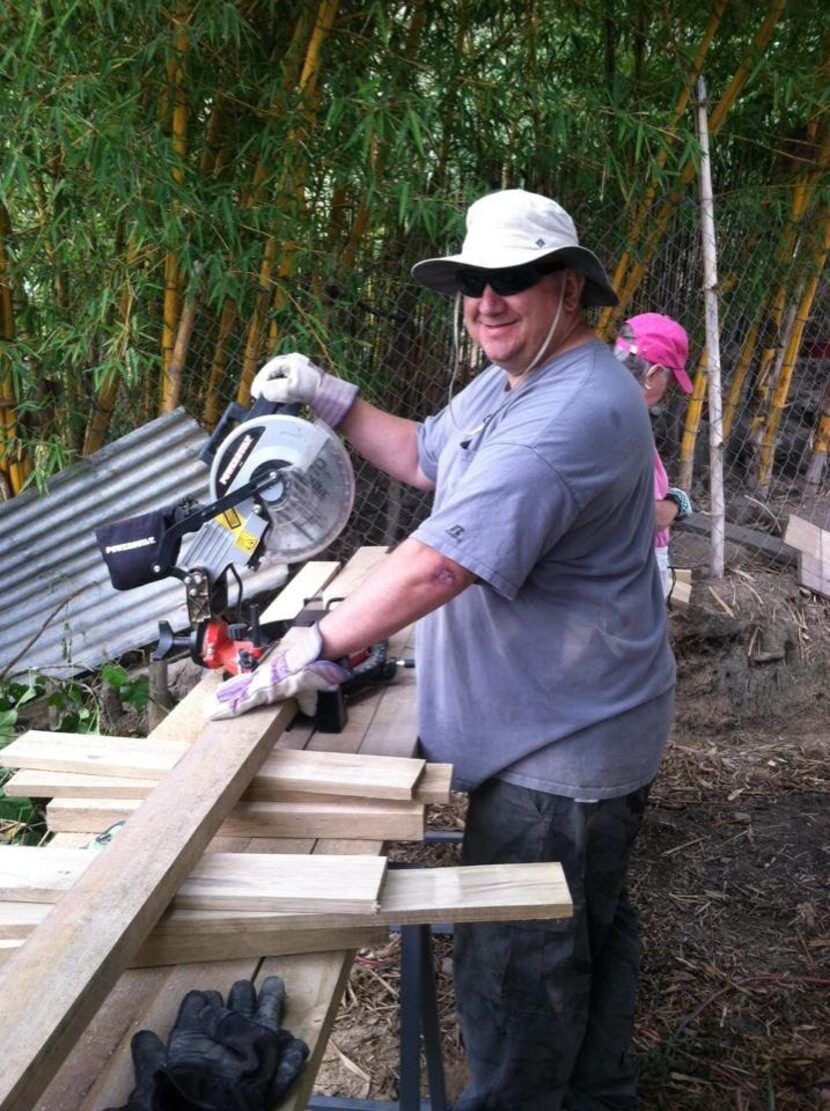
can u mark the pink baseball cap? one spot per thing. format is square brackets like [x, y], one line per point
[661, 341]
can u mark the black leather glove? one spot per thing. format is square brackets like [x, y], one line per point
[219, 1058]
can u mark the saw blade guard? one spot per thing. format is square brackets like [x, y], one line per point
[311, 499]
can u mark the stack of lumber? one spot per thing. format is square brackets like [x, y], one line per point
[174, 888]
[94, 782]
[813, 546]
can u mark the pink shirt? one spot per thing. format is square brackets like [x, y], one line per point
[661, 485]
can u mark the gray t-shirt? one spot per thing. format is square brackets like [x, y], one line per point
[554, 669]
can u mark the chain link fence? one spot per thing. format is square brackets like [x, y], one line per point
[359, 314]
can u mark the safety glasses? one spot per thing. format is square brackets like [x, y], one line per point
[512, 279]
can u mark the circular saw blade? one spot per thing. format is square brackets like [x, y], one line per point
[310, 504]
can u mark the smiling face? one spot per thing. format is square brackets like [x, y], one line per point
[511, 329]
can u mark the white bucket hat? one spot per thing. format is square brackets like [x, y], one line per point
[512, 228]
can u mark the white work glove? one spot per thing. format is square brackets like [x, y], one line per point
[294, 377]
[292, 669]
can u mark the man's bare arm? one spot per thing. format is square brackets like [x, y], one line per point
[387, 441]
[411, 582]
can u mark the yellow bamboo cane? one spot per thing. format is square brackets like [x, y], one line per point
[818, 460]
[15, 464]
[297, 140]
[803, 191]
[219, 363]
[691, 425]
[661, 220]
[736, 386]
[607, 317]
[782, 386]
[106, 396]
[172, 274]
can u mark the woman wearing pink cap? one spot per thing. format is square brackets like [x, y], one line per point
[655, 349]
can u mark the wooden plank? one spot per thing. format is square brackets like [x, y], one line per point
[107, 914]
[432, 787]
[359, 567]
[99, 1073]
[343, 818]
[207, 901]
[124, 757]
[807, 538]
[475, 893]
[771, 547]
[815, 573]
[256, 881]
[307, 584]
[325, 773]
[171, 949]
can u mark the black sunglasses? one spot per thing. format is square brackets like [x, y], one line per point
[512, 279]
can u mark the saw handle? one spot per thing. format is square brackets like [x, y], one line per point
[236, 414]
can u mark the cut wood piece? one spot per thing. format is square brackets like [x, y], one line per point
[56, 785]
[432, 787]
[681, 591]
[253, 881]
[123, 757]
[815, 573]
[307, 584]
[325, 773]
[808, 538]
[108, 913]
[478, 893]
[190, 949]
[348, 819]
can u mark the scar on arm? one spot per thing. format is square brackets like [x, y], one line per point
[449, 576]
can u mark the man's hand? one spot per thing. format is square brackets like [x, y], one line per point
[295, 377]
[292, 670]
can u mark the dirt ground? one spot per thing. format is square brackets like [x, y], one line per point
[729, 876]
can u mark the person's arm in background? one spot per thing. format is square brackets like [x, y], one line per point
[674, 506]
[665, 512]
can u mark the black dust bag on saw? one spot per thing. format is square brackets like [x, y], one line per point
[132, 548]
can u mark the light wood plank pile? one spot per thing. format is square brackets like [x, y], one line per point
[308, 811]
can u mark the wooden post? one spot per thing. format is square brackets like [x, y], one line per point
[710, 289]
[161, 701]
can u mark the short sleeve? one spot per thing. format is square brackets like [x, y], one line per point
[507, 509]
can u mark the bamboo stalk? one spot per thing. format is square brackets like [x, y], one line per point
[172, 274]
[180, 348]
[661, 219]
[710, 285]
[607, 317]
[736, 386]
[219, 364]
[106, 396]
[782, 387]
[691, 425]
[15, 465]
[297, 141]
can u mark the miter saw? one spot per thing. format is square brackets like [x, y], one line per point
[280, 486]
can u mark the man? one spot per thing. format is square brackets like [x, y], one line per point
[544, 672]
[655, 349]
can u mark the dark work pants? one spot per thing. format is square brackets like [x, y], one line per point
[547, 1007]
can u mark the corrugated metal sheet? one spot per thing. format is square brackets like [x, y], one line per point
[56, 599]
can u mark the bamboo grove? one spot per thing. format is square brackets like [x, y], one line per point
[188, 188]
